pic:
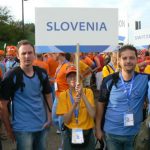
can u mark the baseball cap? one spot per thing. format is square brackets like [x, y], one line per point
[70, 69]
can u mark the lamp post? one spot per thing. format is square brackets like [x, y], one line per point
[23, 15]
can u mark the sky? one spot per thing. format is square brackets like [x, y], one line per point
[135, 9]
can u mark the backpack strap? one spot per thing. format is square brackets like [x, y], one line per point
[108, 68]
[17, 78]
[39, 72]
[14, 64]
[115, 77]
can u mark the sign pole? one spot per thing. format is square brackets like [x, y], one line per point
[77, 63]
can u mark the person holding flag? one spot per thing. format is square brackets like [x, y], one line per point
[77, 107]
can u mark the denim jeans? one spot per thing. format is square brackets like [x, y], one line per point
[53, 92]
[32, 140]
[117, 142]
[57, 120]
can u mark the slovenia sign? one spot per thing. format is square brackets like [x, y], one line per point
[69, 26]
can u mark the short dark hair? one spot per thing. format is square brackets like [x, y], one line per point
[127, 47]
[39, 55]
[147, 53]
[68, 56]
[25, 42]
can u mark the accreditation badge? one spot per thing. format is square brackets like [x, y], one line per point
[77, 136]
[55, 86]
[128, 119]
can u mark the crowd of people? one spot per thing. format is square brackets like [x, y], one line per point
[40, 90]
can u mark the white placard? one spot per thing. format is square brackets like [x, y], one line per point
[141, 37]
[123, 26]
[68, 26]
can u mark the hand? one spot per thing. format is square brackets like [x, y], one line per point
[78, 89]
[77, 99]
[48, 123]
[99, 134]
[145, 105]
[10, 134]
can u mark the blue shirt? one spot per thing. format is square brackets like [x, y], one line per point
[11, 64]
[28, 106]
[119, 104]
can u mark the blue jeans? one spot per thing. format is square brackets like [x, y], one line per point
[117, 142]
[57, 120]
[32, 140]
[53, 92]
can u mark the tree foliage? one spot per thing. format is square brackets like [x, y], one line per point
[5, 16]
[11, 31]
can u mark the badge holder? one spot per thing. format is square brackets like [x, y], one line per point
[128, 119]
[77, 136]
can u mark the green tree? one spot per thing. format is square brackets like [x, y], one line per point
[30, 32]
[11, 31]
[5, 16]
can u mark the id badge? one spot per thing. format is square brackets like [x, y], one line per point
[77, 136]
[128, 119]
[55, 86]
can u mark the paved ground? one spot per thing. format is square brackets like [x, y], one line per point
[53, 141]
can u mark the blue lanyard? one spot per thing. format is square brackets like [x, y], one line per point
[76, 111]
[128, 91]
[57, 71]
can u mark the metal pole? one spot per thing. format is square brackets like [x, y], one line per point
[23, 16]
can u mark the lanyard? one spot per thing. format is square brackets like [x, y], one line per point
[76, 111]
[128, 91]
[58, 70]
